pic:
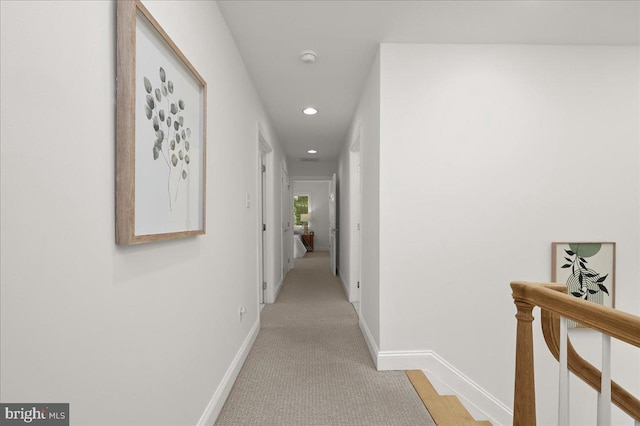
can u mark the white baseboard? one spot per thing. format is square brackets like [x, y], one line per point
[272, 295]
[277, 290]
[448, 380]
[402, 360]
[222, 392]
[345, 287]
[368, 337]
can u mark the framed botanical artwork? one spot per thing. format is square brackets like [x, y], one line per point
[161, 129]
[588, 270]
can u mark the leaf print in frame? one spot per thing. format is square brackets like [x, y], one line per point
[161, 134]
[588, 270]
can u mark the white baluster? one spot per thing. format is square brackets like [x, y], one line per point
[604, 397]
[563, 402]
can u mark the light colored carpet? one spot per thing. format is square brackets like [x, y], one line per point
[310, 365]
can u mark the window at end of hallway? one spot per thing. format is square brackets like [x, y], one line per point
[300, 206]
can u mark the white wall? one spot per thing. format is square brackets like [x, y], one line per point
[501, 150]
[350, 204]
[321, 169]
[318, 192]
[366, 126]
[277, 245]
[126, 335]
[344, 217]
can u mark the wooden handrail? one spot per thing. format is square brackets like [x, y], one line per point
[621, 325]
[554, 302]
[582, 368]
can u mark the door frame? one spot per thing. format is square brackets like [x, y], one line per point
[264, 200]
[355, 234]
[286, 214]
[333, 225]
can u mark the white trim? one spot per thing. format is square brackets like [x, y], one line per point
[262, 263]
[219, 397]
[368, 338]
[353, 234]
[272, 294]
[311, 178]
[264, 148]
[277, 290]
[478, 401]
[354, 145]
[345, 286]
[402, 360]
[264, 145]
[449, 380]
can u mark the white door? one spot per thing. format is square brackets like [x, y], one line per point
[333, 230]
[263, 202]
[286, 213]
[356, 208]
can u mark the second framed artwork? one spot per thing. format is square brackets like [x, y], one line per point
[587, 268]
[160, 146]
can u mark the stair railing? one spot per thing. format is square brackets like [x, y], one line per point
[554, 304]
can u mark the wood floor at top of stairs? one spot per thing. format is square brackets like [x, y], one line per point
[446, 410]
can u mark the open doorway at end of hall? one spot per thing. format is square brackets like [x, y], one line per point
[312, 214]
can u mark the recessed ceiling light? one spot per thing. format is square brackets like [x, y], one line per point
[312, 151]
[308, 56]
[310, 111]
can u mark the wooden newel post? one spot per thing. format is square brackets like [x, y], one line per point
[524, 400]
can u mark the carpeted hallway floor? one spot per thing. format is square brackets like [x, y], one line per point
[310, 365]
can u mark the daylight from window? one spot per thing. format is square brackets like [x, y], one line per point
[300, 206]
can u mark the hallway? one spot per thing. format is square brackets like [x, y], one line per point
[310, 364]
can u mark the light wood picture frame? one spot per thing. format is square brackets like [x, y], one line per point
[160, 133]
[588, 269]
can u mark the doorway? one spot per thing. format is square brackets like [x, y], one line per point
[333, 226]
[287, 219]
[263, 221]
[355, 246]
[262, 205]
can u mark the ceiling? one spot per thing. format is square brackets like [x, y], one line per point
[345, 34]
